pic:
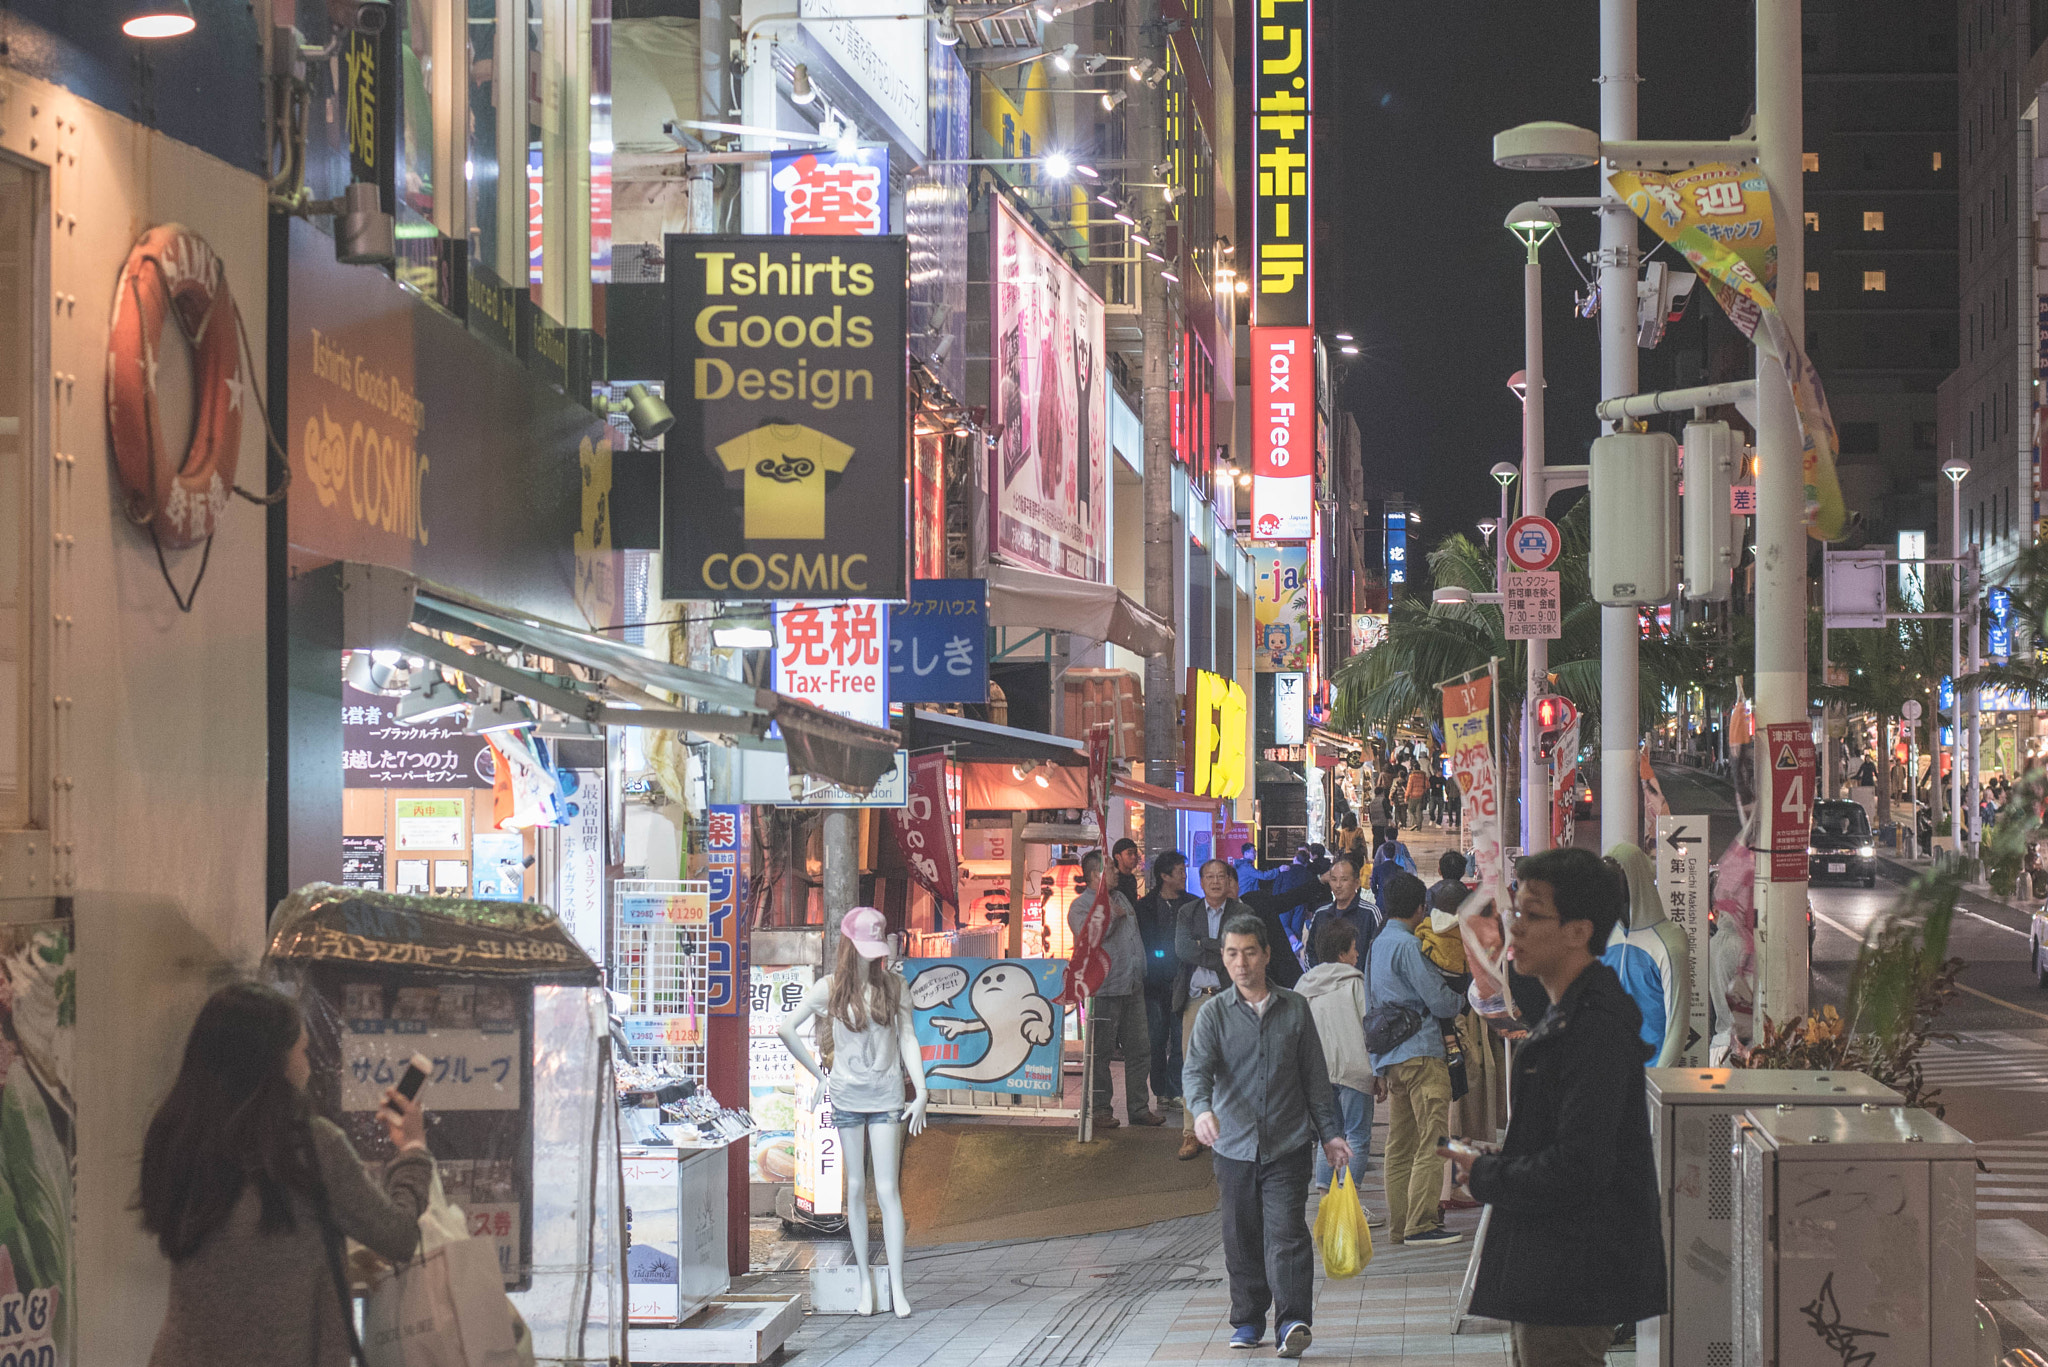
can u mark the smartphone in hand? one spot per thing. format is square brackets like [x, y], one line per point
[416, 1069]
[1456, 1148]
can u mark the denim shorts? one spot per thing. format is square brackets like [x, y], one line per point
[855, 1120]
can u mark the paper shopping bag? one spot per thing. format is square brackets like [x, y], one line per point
[448, 1309]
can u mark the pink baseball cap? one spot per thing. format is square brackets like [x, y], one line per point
[868, 930]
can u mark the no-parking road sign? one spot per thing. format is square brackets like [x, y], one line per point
[1533, 543]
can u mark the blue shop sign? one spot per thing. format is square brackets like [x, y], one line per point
[938, 643]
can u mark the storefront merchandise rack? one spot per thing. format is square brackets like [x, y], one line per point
[661, 944]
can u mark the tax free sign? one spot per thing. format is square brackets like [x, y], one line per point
[834, 655]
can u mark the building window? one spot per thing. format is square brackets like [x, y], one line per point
[20, 189]
[1809, 161]
[1813, 280]
[1937, 161]
[1873, 281]
[1813, 223]
[1873, 220]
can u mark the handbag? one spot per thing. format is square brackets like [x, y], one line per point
[1389, 1027]
[447, 1307]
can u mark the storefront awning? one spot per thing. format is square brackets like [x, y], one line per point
[1100, 612]
[820, 744]
[970, 740]
[1155, 796]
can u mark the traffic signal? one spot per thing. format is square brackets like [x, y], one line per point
[1554, 716]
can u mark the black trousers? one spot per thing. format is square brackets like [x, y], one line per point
[1266, 1246]
[1163, 1024]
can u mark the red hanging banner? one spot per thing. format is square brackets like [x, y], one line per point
[924, 829]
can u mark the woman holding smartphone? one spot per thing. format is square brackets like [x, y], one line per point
[248, 1191]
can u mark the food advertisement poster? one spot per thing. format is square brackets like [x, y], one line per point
[1051, 462]
[1280, 610]
[787, 471]
[38, 1009]
[988, 1025]
[771, 1072]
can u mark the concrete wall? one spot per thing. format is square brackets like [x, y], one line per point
[158, 751]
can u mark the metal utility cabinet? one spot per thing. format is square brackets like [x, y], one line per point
[1692, 1118]
[1855, 1238]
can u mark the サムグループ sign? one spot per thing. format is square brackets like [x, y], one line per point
[786, 471]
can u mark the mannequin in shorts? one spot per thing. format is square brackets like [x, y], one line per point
[873, 1048]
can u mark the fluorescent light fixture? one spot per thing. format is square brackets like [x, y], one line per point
[432, 698]
[507, 713]
[742, 638]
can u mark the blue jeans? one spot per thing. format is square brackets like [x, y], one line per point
[1354, 1111]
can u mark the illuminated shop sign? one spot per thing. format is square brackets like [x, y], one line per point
[1281, 283]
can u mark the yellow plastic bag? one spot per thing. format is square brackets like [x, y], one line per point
[1341, 1233]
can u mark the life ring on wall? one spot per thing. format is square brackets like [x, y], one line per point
[171, 268]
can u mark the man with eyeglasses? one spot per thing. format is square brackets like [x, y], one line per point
[1576, 1246]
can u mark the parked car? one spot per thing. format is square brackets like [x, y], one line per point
[1840, 844]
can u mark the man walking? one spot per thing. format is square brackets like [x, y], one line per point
[1404, 994]
[1117, 1009]
[1259, 1089]
[1198, 945]
[1345, 905]
[1576, 1245]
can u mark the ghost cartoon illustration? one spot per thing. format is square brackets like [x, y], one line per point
[1007, 1005]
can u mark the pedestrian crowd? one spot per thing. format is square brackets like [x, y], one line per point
[1278, 1021]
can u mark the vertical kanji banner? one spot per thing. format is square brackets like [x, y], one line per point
[1282, 282]
[1468, 715]
[924, 829]
[1087, 964]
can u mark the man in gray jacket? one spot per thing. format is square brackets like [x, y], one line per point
[1118, 1006]
[1259, 1090]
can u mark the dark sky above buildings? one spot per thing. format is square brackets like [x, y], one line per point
[1415, 261]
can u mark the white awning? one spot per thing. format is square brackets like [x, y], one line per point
[1050, 602]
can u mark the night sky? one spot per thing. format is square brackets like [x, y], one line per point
[1413, 258]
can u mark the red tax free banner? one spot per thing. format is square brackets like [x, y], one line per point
[1283, 433]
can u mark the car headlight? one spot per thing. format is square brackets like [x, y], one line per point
[1866, 851]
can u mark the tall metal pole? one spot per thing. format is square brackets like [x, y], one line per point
[1955, 669]
[1147, 134]
[1781, 584]
[1535, 770]
[1620, 821]
[1972, 591]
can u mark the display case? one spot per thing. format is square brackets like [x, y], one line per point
[1692, 1118]
[1855, 1238]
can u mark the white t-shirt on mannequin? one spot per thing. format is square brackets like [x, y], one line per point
[867, 1065]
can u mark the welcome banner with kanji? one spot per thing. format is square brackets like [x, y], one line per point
[1719, 217]
[1468, 712]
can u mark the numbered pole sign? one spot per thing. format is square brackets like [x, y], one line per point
[1788, 756]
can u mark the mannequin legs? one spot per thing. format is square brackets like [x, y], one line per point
[887, 1143]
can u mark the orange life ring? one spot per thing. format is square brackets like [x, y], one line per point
[172, 267]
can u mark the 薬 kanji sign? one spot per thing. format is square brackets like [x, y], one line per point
[831, 655]
[938, 643]
[830, 192]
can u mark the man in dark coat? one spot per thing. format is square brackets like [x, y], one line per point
[1576, 1246]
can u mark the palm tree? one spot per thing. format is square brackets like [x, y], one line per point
[1429, 643]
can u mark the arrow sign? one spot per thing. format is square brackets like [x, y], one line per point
[1678, 838]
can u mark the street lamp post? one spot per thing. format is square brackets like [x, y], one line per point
[1957, 469]
[1532, 224]
[1504, 475]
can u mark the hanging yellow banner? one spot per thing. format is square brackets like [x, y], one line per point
[1719, 217]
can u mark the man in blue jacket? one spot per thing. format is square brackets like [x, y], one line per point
[1410, 1067]
[1576, 1245]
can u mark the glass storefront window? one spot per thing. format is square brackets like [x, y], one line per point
[18, 220]
[502, 125]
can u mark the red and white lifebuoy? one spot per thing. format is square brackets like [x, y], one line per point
[172, 267]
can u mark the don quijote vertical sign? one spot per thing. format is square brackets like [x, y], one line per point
[787, 472]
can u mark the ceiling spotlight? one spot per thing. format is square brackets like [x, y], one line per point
[1048, 13]
[1141, 239]
[1126, 219]
[1244, 479]
[801, 91]
[1169, 193]
[506, 713]
[432, 698]
[1348, 350]
[1155, 76]
[948, 32]
[1095, 63]
[1063, 60]
[650, 416]
[376, 671]
[742, 638]
[1169, 275]
[1244, 287]
[158, 19]
[1085, 171]
[1139, 69]
[1155, 256]
[1112, 98]
[1041, 780]
[1106, 200]
[1058, 165]
[1343, 336]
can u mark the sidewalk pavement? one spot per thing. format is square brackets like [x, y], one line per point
[1154, 1294]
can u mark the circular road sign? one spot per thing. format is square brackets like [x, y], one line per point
[1533, 543]
[1910, 709]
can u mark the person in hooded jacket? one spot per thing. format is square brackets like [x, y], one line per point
[1335, 989]
[1576, 1245]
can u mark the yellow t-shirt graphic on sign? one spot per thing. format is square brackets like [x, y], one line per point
[786, 465]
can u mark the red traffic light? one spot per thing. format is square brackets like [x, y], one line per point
[1554, 713]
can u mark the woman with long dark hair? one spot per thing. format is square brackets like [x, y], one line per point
[248, 1192]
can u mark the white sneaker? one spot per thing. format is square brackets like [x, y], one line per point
[1374, 1220]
